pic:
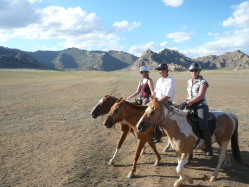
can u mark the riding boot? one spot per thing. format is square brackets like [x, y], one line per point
[158, 134]
[207, 138]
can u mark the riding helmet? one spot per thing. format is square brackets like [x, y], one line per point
[195, 66]
[144, 68]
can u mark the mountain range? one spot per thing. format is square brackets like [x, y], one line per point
[77, 59]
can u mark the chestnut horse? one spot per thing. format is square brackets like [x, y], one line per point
[103, 107]
[184, 141]
[127, 112]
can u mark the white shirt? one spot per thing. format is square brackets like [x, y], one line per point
[165, 87]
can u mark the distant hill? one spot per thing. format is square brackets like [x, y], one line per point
[179, 62]
[14, 58]
[175, 60]
[77, 59]
[230, 60]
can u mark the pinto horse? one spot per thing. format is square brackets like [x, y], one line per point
[184, 141]
[131, 113]
[103, 107]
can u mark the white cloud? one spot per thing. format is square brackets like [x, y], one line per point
[173, 3]
[231, 40]
[179, 37]
[73, 26]
[137, 50]
[17, 13]
[240, 17]
[164, 44]
[124, 26]
[227, 42]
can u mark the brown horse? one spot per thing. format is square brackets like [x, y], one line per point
[184, 141]
[123, 111]
[103, 107]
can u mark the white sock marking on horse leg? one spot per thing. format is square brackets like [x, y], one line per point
[167, 147]
[179, 170]
[111, 162]
[143, 150]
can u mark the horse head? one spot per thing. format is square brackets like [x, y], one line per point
[152, 116]
[115, 114]
[103, 106]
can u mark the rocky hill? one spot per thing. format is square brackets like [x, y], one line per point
[14, 58]
[179, 62]
[77, 59]
[231, 60]
[175, 60]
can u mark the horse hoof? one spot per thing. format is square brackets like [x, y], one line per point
[130, 175]
[156, 163]
[213, 178]
[177, 184]
[111, 163]
[190, 180]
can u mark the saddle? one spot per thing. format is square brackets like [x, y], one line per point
[192, 119]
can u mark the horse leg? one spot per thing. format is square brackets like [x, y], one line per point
[179, 169]
[139, 149]
[222, 157]
[152, 145]
[120, 143]
[143, 150]
[167, 147]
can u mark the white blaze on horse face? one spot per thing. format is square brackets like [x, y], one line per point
[100, 101]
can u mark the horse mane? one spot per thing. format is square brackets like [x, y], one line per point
[173, 109]
[134, 105]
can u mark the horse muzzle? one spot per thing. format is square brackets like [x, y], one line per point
[109, 123]
[142, 126]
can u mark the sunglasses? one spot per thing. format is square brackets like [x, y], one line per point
[195, 70]
[142, 71]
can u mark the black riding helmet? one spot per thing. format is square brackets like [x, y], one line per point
[195, 66]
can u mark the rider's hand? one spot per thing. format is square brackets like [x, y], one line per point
[183, 105]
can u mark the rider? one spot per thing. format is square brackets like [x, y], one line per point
[196, 99]
[145, 86]
[164, 91]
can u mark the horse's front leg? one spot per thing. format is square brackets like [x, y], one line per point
[152, 145]
[125, 129]
[139, 149]
[179, 169]
[222, 157]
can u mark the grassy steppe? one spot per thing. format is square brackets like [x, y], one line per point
[47, 137]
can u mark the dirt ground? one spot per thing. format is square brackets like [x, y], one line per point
[48, 138]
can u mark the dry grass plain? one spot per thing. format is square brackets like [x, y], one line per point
[47, 137]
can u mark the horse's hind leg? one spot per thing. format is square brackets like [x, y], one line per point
[152, 145]
[139, 149]
[167, 147]
[179, 169]
[125, 130]
[222, 157]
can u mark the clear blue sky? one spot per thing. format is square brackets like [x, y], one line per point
[193, 27]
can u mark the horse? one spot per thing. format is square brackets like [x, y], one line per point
[124, 111]
[184, 141]
[103, 107]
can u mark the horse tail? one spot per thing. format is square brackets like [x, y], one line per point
[235, 142]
